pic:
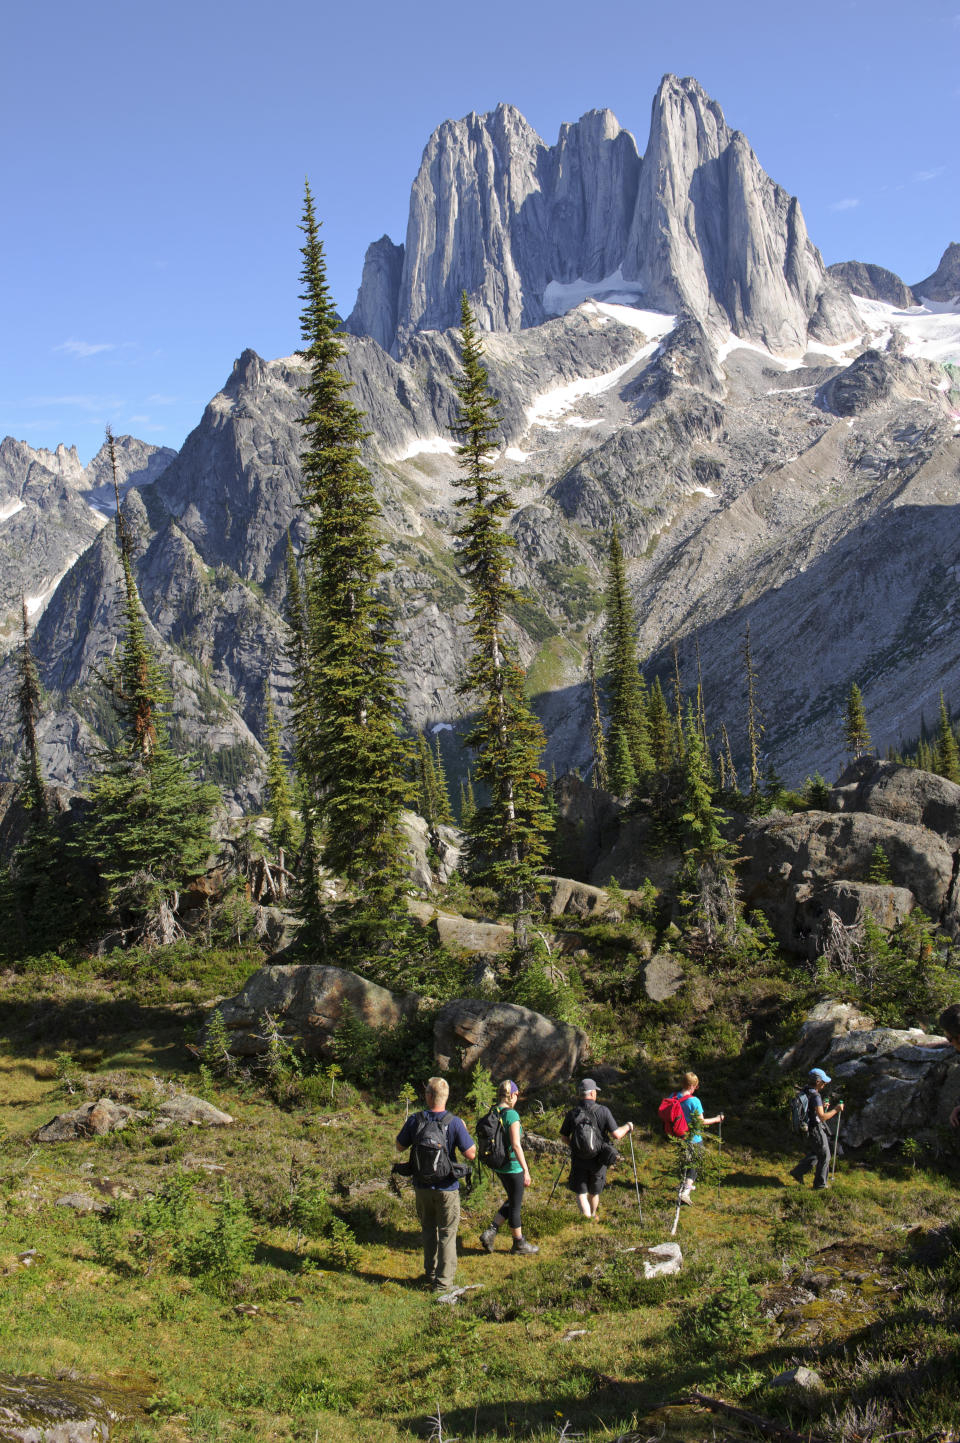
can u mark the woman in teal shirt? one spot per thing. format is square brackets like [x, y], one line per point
[515, 1175]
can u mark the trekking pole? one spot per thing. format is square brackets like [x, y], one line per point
[836, 1140]
[676, 1219]
[556, 1181]
[719, 1156]
[636, 1180]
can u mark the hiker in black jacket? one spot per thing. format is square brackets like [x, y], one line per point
[817, 1119]
[588, 1169]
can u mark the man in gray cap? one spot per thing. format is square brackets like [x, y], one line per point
[817, 1119]
[588, 1128]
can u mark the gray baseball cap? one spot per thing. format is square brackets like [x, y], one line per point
[588, 1085]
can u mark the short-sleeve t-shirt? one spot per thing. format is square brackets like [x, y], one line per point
[508, 1116]
[457, 1137]
[692, 1111]
[815, 1127]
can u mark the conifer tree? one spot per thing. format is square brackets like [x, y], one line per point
[425, 781]
[680, 744]
[149, 820]
[444, 809]
[308, 882]
[754, 720]
[660, 728]
[28, 702]
[946, 752]
[707, 872]
[855, 730]
[628, 739]
[599, 773]
[729, 770]
[508, 836]
[279, 796]
[346, 703]
[468, 804]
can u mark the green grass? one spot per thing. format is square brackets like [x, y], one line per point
[321, 1332]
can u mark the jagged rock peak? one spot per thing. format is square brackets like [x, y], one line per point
[944, 284]
[529, 229]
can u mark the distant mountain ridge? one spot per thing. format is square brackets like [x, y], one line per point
[694, 224]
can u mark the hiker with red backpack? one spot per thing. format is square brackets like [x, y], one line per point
[588, 1128]
[682, 1116]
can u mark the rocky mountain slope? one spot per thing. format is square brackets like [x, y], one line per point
[51, 508]
[783, 453]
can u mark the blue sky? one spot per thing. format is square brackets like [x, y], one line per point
[155, 155]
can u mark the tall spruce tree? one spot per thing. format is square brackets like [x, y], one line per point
[599, 773]
[347, 709]
[856, 733]
[946, 752]
[283, 827]
[28, 703]
[707, 874]
[754, 720]
[148, 826]
[508, 835]
[628, 741]
[444, 809]
[660, 728]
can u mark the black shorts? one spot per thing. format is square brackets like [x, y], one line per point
[585, 1177]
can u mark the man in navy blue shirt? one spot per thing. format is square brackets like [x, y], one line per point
[438, 1201]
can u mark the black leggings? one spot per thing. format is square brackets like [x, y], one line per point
[512, 1203]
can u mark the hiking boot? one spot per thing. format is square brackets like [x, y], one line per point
[820, 1186]
[487, 1239]
[798, 1173]
[685, 1197]
[520, 1245]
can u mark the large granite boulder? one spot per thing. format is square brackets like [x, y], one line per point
[509, 1041]
[464, 934]
[898, 1083]
[900, 794]
[308, 1003]
[791, 865]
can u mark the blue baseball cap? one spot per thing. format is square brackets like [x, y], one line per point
[819, 1074]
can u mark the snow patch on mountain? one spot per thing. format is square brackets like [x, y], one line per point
[427, 446]
[10, 508]
[560, 297]
[547, 408]
[931, 331]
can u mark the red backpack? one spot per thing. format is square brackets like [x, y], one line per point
[673, 1117]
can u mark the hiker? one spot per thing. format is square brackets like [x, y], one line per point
[693, 1115]
[588, 1128]
[949, 1024]
[817, 1119]
[433, 1137]
[513, 1173]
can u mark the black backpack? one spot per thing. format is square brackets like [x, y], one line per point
[430, 1164]
[493, 1145]
[800, 1113]
[586, 1138]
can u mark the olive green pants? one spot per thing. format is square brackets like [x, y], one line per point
[439, 1214]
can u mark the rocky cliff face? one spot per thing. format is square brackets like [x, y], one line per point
[696, 224]
[944, 284]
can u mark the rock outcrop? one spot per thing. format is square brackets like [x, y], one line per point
[873, 282]
[527, 230]
[797, 867]
[900, 794]
[308, 1003]
[509, 1041]
[897, 1083]
[944, 284]
[93, 1119]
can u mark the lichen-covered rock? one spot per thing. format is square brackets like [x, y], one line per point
[509, 1041]
[662, 1260]
[432, 856]
[662, 977]
[44, 1410]
[93, 1119]
[80, 1202]
[466, 934]
[186, 1111]
[823, 1023]
[308, 1002]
